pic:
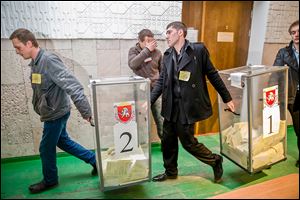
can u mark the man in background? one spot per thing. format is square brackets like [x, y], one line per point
[145, 61]
[289, 56]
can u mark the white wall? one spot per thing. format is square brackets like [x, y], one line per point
[270, 23]
[258, 31]
[92, 38]
[88, 19]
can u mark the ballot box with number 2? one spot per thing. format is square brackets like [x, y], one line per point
[122, 128]
[254, 135]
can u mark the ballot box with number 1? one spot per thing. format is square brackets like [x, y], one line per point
[254, 135]
[122, 128]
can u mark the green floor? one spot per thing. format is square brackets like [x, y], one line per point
[194, 181]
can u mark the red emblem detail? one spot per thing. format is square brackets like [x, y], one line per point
[270, 97]
[124, 113]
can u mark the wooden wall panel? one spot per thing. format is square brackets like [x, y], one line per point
[211, 17]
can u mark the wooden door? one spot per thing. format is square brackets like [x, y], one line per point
[224, 28]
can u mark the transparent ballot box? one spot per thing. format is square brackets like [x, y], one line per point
[254, 136]
[122, 130]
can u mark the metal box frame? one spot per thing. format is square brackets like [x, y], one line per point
[247, 86]
[132, 89]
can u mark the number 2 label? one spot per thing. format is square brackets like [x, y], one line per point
[125, 138]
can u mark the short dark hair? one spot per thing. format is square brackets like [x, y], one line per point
[143, 33]
[24, 36]
[178, 25]
[295, 23]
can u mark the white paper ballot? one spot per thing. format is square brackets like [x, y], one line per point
[236, 79]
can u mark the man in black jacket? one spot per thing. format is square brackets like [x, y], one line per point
[185, 100]
[290, 56]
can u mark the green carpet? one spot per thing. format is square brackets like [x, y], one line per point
[194, 181]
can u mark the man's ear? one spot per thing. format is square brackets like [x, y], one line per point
[29, 44]
[180, 32]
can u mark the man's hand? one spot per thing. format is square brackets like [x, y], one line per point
[151, 45]
[231, 106]
[145, 106]
[90, 119]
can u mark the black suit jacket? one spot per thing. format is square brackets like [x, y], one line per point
[194, 92]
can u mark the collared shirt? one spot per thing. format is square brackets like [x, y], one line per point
[178, 112]
[177, 57]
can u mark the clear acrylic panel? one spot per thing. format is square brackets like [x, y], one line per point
[254, 137]
[122, 130]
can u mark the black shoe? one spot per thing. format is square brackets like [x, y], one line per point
[218, 169]
[40, 187]
[297, 164]
[94, 171]
[163, 177]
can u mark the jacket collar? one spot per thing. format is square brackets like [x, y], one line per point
[34, 61]
[294, 63]
[188, 50]
[138, 47]
[187, 47]
[186, 54]
[290, 48]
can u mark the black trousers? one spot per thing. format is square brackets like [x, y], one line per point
[295, 118]
[185, 132]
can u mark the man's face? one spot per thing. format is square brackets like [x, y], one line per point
[295, 34]
[146, 40]
[21, 49]
[172, 36]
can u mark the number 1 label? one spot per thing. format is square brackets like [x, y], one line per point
[271, 121]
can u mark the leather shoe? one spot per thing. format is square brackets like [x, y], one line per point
[163, 177]
[40, 187]
[218, 169]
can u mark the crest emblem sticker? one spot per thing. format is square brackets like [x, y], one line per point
[271, 96]
[124, 111]
[271, 112]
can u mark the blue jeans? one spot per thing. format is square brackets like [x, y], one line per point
[55, 134]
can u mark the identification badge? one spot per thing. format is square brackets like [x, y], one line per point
[148, 59]
[184, 75]
[36, 78]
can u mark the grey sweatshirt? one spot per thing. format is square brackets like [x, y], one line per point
[52, 84]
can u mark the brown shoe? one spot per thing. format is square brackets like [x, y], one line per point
[40, 187]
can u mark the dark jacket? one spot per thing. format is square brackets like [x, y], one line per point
[141, 65]
[286, 56]
[194, 92]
